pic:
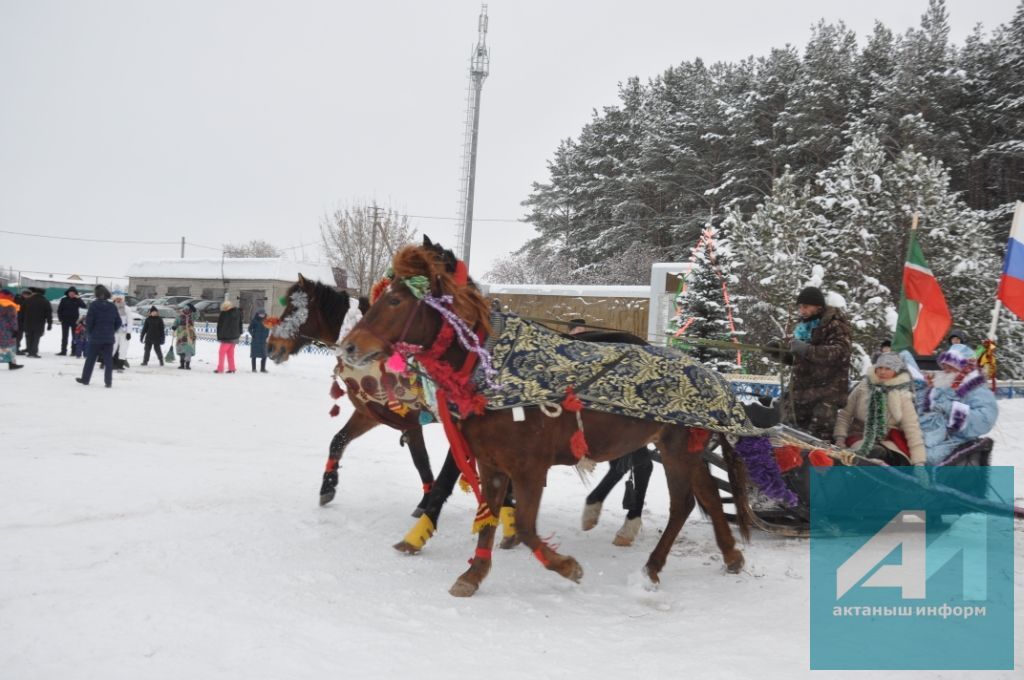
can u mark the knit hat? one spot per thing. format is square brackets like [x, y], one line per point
[153, 309]
[957, 356]
[575, 323]
[72, 289]
[811, 296]
[890, 360]
[956, 333]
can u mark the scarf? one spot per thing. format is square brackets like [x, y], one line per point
[804, 329]
[878, 407]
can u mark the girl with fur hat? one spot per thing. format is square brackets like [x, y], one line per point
[958, 405]
[229, 330]
[882, 412]
[185, 337]
[8, 330]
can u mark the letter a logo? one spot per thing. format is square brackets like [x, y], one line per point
[906, 530]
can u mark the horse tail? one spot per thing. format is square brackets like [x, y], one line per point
[738, 483]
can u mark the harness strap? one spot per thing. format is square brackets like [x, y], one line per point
[464, 458]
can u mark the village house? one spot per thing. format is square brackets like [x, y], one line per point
[250, 282]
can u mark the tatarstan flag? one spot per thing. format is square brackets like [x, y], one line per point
[923, 315]
[1011, 284]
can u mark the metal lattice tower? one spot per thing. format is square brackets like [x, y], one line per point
[479, 68]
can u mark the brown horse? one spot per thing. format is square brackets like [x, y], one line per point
[315, 313]
[522, 450]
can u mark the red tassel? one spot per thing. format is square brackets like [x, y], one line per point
[336, 391]
[571, 402]
[578, 444]
[335, 410]
[697, 439]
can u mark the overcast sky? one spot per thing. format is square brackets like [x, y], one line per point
[228, 121]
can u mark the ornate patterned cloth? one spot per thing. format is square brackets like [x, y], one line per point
[536, 365]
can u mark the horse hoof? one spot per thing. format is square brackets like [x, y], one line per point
[509, 542]
[572, 570]
[591, 514]
[627, 533]
[418, 512]
[406, 547]
[463, 588]
[326, 498]
[649, 581]
[735, 565]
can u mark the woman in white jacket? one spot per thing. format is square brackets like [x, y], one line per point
[880, 418]
[124, 333]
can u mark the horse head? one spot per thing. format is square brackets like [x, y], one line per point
[312, 312]
[404, 307]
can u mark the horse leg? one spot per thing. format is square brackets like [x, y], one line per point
[642, 469]
[705, 489]
[509, 534]
[492, 485]
[418, 450]
[360, 423]
[529, 486]
[677, 463]
[426, 524]
[595, 499]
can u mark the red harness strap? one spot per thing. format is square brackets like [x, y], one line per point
[464, 458]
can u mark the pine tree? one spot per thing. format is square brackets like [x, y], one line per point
[704, 310]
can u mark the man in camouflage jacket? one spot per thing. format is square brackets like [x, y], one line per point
[819, 353]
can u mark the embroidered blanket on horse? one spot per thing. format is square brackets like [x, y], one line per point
[536, 365]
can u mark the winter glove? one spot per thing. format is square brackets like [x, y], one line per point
[127, 336]
[49, 326]
[799, 347]
[958, 414]
[775, 349]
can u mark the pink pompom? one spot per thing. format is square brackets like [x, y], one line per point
[396, 363]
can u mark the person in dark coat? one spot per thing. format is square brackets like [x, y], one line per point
[8, 330]
[67, 314]
[819, 353]
[19, 300]
[152, 336]
[229, 330]
[38, 319]
[258, 334]
[101, 324]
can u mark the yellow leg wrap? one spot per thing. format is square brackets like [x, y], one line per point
[420, 532]
[508, 521]
[484, 518]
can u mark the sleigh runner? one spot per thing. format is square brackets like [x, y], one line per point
[786, 511]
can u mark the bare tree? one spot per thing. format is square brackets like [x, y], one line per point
[362, 238]
[254, 248]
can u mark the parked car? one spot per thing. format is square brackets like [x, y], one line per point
[145, 303]
[171, 300]
[207, 310]
[181, 305]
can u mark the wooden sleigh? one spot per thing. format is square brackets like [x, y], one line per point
[773, 516]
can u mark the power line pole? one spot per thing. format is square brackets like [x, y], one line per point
[479, 69]
[373, 242]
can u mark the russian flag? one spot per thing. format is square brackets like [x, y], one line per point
[1011, 285]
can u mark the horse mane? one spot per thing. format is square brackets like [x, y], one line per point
[468, 302]
[333, 304]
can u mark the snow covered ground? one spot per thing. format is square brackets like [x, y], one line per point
[169, 528]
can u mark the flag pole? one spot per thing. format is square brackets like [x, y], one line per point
[913, 222]
[995, 320]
